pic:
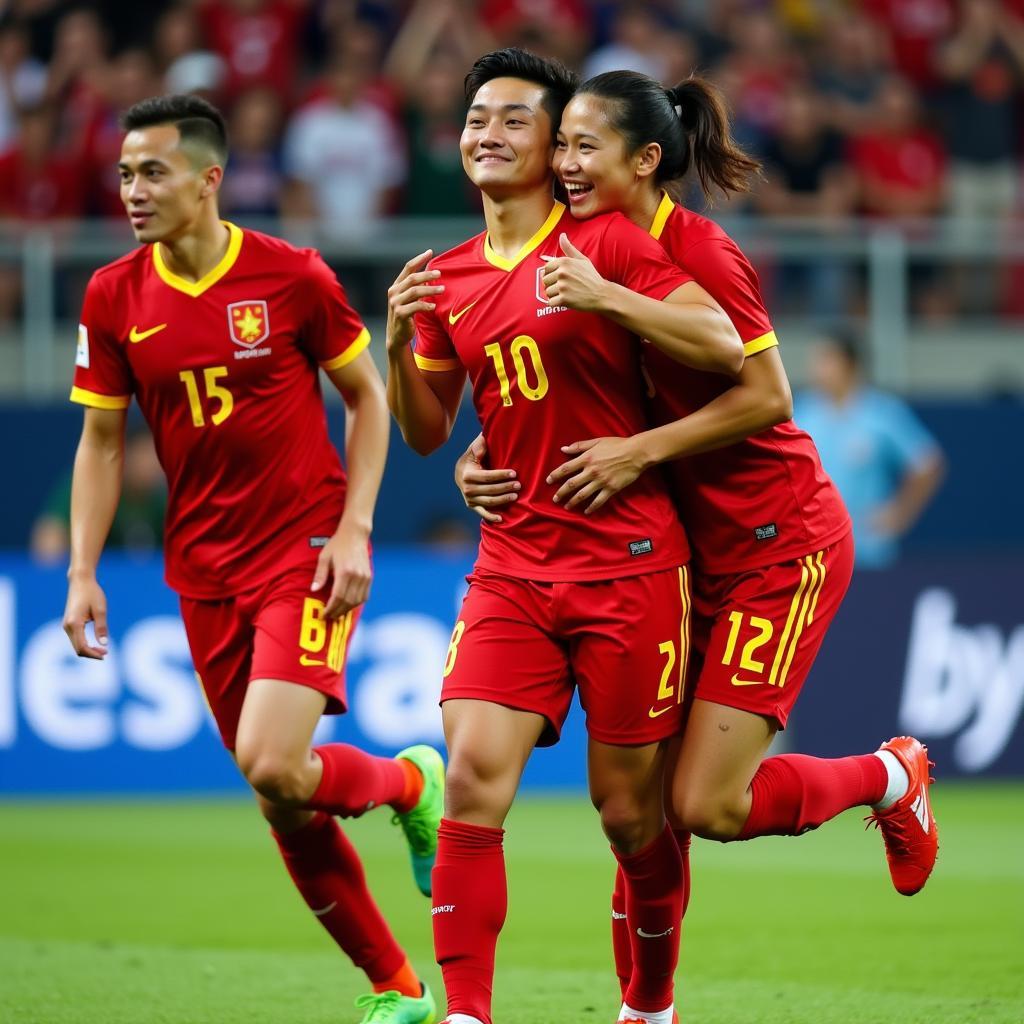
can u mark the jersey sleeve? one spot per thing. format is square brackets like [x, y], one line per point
[722, 270]
[632, 258]
[432, 347]
[103, 378]
[332, 332]
[908, 441]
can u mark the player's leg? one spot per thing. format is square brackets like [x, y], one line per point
[295, 643]
[630, 648]
[506, 686]
[722, 788]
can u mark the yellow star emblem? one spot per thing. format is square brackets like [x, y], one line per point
[248, 323]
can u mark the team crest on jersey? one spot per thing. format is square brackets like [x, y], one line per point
[542, 297]
[249, 322]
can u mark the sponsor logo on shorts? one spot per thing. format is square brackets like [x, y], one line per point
[305, 659]
[655, 935]
[767, 532]
[658, 713]
[641, 547]
[736, 681]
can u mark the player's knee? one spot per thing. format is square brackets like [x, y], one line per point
[275, 778]
[629, 822]
[709, 816]
[473, 787]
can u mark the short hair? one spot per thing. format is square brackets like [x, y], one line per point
[558, 82]
[200, 124]
[848, 343]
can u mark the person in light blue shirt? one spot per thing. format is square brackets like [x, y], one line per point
[884, 461]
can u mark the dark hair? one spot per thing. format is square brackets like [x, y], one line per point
[200, 124]
[690, 122]
[848, 343]
[558, 82]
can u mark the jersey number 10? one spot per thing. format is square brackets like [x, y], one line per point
[523, 344]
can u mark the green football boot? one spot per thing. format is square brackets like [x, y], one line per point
[420, 824]
[394, 1008]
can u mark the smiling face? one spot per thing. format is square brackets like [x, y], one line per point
[506, 144]
[162, 188]
[592, 162]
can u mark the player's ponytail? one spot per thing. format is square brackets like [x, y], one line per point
[689, 122]
[716, 157]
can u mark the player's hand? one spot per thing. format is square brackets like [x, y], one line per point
[86, 603]
[596, 471]
[410, 294]
[484, 489]
[572, 280]
[345, 561]
[887, 520]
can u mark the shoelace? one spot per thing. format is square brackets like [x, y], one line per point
[382, 1004]
[894, 832]
[417, 830]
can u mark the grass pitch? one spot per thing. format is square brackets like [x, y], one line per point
[153, 913]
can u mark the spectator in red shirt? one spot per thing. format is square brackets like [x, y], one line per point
[900, 164]
[915, 29]
[259, 39]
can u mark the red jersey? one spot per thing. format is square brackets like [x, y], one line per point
[544, 376]
[766, 499]
[225, 372]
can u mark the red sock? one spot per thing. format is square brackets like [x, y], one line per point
[654, 904]
[355, 782]
[470, 902]
[794, 793]
[622, 950]
[328, 873]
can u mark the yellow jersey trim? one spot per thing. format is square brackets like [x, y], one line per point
[97, 401]
[207, 281]
[361, 340]
[436, 365]
[545, 229]
[766, 341]
[665, 208]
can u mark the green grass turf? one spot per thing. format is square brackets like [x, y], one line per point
[132, 913]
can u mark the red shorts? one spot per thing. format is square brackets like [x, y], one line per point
[275, 631]
[624, 643]
[757, 633]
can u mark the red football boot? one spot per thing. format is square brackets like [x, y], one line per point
[908, 827]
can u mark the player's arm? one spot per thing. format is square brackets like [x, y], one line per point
[425, 403]
[598, 469]
[689, 326]
[345, 558]
[95, 491]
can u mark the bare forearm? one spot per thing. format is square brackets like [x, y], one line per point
[916, 492]
[693, 333]
[366, 450]
[424, 421]
[734, 415]
[95, 491]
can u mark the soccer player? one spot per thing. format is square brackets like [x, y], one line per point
[771, 537]
[220, 334]
[556, 600]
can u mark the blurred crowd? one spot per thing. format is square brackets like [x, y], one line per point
[348, 110]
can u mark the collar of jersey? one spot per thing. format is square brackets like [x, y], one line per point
[545, 229]
[196, 288]
[665, 208]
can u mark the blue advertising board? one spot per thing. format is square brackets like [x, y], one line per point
[935, 649]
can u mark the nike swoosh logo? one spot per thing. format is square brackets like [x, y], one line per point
[657, 714]
[305, 659]
[654, 935]
[135, 335]
[452, 317]
[736, 681]
[324, 910]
